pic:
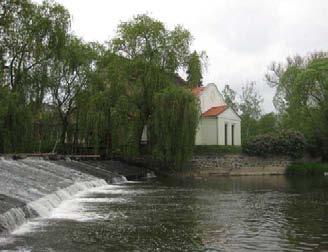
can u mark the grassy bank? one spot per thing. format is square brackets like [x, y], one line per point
[308, 169]
[216, 150]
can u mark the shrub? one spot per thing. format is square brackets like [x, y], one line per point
[307, 169]
[289, 143]
[216, 149]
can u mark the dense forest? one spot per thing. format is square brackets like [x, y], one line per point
[61, 94]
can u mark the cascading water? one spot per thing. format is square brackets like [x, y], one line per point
[37, 187]
[118, 180]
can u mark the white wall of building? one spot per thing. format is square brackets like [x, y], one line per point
[211, 130]
[144, 136]
[230, 118]
[207, 133]
[210, 97]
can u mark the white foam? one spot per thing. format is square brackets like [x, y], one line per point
[119, 180]
[70, 203]
[103, 200]
[15, 217]
[79, 209]
[45, 205]
[28, 227]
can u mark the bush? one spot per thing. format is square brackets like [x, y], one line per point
[288, 143]
[216, 149]
[307, 169]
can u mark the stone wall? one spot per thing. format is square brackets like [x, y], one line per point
[236, 165]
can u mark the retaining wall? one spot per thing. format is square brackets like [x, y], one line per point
[236, 165]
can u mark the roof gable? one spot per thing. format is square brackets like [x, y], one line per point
[231, 114]
[209, 96]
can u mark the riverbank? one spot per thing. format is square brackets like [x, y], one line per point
[308, 169]
[235, 165]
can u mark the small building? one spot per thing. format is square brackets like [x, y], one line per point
[219, 124]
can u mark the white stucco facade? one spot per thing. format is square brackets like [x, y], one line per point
[210, 97]
[219, 124]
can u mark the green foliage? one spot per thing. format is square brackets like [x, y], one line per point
[31, 35]
[288, 143]
[250, 101]
[194, 70]
[308, 169]
[249, 106]
[209, 150]
[147, 39]
[268, 123]
[125, 128]
[302, 98]
[68, 77]
[60, 94]
[250, 109]
[16, 124]
[173, 126]
[229, 96]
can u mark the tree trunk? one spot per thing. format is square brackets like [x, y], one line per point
[63, 135]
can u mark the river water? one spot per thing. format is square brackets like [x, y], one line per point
[261, 213]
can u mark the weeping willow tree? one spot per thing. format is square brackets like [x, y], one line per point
[16, 124]
[126, 124]
[173, 126]
[92, 122]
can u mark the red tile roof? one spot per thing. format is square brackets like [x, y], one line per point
[198, 90]
[214, 111]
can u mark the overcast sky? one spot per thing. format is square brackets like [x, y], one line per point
[241, 37]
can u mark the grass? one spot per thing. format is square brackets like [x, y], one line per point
[205, 150]
[308, 169]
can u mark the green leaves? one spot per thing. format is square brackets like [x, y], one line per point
[173, 126]
[303, 89]
[194, 70]
[90, 97]
[286, 143]
[147, 39]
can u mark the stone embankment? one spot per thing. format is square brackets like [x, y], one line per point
[235, 165]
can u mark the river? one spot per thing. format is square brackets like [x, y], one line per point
[258, 213]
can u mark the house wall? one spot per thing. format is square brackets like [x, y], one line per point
[230, 118]
[144, 136]
[211, 129]
[207, 133]
[210, 97]
[198, 138]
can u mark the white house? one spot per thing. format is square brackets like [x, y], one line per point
[219, 124]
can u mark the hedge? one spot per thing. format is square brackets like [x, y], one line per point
[287, 143]
[216, 149]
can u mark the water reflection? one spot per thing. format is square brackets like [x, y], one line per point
[307, 214]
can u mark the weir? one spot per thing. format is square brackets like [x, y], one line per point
[34, 187]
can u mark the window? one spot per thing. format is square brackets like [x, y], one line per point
[232, 134]
[226, 134]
